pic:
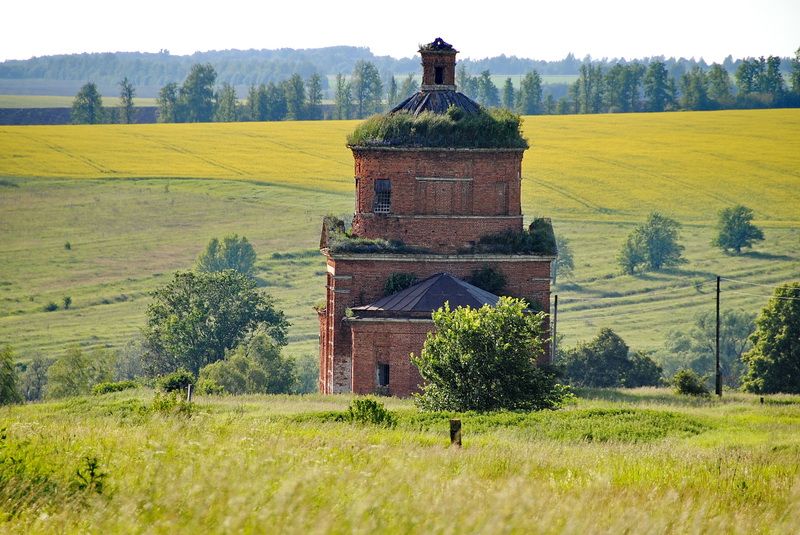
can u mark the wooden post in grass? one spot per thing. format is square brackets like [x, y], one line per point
[189, 393]
[455, 433]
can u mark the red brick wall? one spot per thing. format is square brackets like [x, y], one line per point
[458, 182]
[447, 61]
[441, 234]
[389, 343]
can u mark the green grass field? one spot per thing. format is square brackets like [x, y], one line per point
[641, 461]
[137, 202]
[51, 101]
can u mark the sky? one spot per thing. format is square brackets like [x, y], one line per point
[549, 30]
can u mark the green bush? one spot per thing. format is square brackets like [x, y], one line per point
[209, 387]
[489, 279]
[50, 307]
[368, 410]
[107, 388]
[496, 128]
[688, 383]
[170, 404]
[538, 239]
[397, 282]
[175, 381]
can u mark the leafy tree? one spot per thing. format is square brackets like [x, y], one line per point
[397, 282]
[233, 253]
[652, 245]
[169, 109]
[126, 94]
[485, 359]
[277, 107]
[314, 96]
[487, 91]
[33, 381]
[696, 347]
[255, 367]
[773, 82]
[735, 230]
[590, 89]
[87, 108]
[774, 361]
[466, 83]
[257, 102]
[694, 90]
[508, 94]
[9, 387]
[197, 316]
[795, 75]
[689, 383]
[605, 362]
[530, 94]
[489, 279]
[367, 89]
[391, 93]
[226, 104]
[408, 87]
[657, 87]
[720, 88]
[748, 75]
[75, 372]
[622, 83]
[564, 262]
[343, 101]
[295, 91]
[197, 93]
[306, 373]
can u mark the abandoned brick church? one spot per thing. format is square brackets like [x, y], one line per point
[432, 215]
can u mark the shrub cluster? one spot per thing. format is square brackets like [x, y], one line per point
[538, 239]
[496, 128]
[689, 383]
[397, 282]
[107, 388]
[175, 381]
[368, 411]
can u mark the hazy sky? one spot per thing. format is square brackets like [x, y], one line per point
[540, 30]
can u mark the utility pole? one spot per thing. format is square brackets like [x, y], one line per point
[719, 373]
[555, 325]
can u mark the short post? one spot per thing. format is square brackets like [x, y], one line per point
[455, 433]
[762, 400]
[189, 393]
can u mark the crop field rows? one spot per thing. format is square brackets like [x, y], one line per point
[137, 202]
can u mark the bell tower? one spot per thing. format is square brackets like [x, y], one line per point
[438, 66]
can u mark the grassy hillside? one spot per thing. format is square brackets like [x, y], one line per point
[595, 176]
[640, 461]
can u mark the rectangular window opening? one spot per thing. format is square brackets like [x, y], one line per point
[383, 196]
[382, 375]
[439, 75]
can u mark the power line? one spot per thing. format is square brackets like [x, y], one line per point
[747, 282]
[782, 298]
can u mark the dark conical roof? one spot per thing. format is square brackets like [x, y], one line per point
[437, 102]
[426, 296]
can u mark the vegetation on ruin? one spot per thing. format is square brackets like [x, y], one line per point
[489, 129]
[538, 239]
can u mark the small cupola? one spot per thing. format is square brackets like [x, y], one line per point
[438, 66]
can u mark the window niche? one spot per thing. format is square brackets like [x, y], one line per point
[382, 203]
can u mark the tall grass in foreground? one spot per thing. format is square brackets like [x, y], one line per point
[279, 464]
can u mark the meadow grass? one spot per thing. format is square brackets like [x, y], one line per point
[52, 101]
[595, 176]
[275, 463]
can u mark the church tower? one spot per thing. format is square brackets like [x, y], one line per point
[435, 204]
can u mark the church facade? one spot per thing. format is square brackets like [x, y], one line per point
[436, 205]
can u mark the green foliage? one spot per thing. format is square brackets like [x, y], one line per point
[529, 101]
[107, 388]
[67, 301]
[339, 242]
[256, 367]
[688, 383]
[735, 230]
[774, 361]
[233, 253]
[209, 387]
[197, 94]
[497, 128]
[9, 388]
[87, 108]
[197, 316]
[33, 381]
[126, 94]
[89, 476]
[367, 89]
[306, 373]
[489, 279]
[696, 347]
[564, 264]
[50, 307]
[177, 381]
[538, 239]
[397, 282]
[651, 245]
[485, 359]
[172, 404]
[169, 109]
[226, 108]
[606, 362]
[75, 372]
[368, 411]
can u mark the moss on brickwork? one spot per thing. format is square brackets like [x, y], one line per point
[492, 129]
